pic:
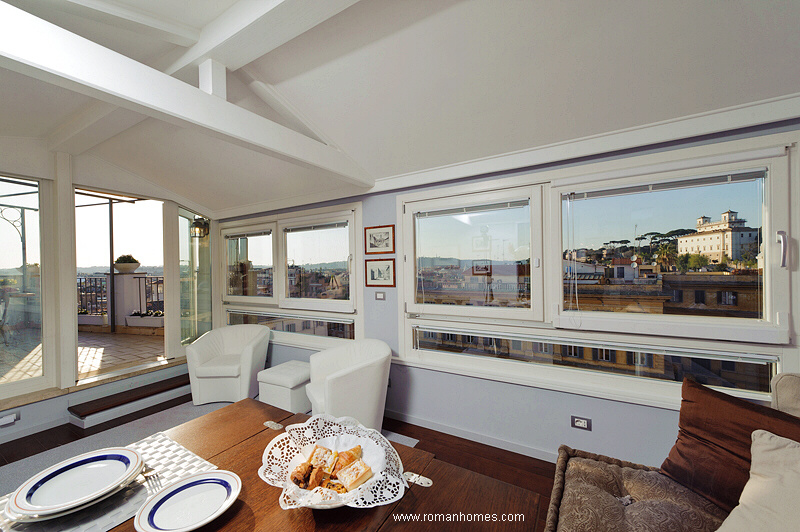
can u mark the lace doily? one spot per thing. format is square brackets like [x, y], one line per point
[286, 451]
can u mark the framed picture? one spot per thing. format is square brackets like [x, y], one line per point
[482, 267]
[379, 239]
[380, 272]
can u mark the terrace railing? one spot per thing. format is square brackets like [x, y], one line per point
[92, 295]
[151, 293]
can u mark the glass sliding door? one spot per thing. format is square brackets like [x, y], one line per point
[195, 275]
[20, 281]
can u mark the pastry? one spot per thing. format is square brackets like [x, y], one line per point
[301, 474]
[323, 458]
[355, 474]
[316, 478]
[346, 458]
[338, 487]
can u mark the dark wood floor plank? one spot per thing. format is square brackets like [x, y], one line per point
[133, 416]
[22, 448]
[88, 408]
[57, 436]
[514, 468]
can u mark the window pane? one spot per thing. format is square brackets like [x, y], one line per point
[250, 265]
[474, 257]
[751, 375]
[296, 324]
[20, 281]
[195, 272]
[317, 262]
[661, 252]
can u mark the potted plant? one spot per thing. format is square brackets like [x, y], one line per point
[126, 264]
[149, 318]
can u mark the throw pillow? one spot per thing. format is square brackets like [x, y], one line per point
[769, 499]
[712, 453]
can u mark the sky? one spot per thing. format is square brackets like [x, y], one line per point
[497, 235]
[598, 220]
[138, 231]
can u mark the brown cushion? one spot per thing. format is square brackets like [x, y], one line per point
[712, 453]
[598, 493]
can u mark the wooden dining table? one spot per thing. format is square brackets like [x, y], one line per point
[234, 437]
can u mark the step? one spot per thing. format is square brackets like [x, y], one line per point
[105, 409]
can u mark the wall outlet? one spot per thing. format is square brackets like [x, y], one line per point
[583, 423]
[9, 418]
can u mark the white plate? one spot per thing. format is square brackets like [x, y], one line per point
[189, 503]
[76, 482]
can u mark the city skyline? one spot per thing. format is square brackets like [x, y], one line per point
[590, 223]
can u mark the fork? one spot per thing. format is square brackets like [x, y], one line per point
[152, 479]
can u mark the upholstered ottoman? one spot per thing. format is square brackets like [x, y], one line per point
[596, 493]
[284, 386]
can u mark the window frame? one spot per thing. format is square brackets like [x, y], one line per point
[424, 203]
[245, 230]
[258, 304]
[661, 394]
[281, 283]
[772, 329]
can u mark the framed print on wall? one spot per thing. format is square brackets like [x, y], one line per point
[380, 272]
[379, 239]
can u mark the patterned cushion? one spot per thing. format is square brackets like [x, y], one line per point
[592, 492]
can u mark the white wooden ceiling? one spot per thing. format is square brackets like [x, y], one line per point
[337, 98]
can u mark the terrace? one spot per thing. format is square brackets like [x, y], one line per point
[104, 344]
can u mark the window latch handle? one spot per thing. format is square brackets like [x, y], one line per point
[781, 238]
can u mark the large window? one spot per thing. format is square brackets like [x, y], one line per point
[728, 370]
[20, 282]
[249, 263]
[195, 275]
[628, 246]
[318, 257]
[637, 271]
[293, 273]
[473, 256]
[644, 243]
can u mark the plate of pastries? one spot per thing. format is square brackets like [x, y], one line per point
[329, 462]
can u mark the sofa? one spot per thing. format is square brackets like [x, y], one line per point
[735, 466]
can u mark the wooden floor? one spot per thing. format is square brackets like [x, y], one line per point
[524, 471]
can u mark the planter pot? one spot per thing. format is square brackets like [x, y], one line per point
[92, 319]
[144, 321]
[126, 267]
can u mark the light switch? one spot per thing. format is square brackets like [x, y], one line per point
[380, 296]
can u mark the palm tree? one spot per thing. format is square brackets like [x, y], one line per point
[667, 253]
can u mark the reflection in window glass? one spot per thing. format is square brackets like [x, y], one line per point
[477, 256]
[737, 372]
[318, 262]
[249, 260]
[195, 275]
[20, 281]
[639, 250]
[295, 324]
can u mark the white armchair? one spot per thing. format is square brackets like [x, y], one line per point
[224, 362]
[351, 381]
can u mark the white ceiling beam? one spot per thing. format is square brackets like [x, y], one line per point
[213, 78]
[250, 29]
[44, 51]
[270, 96]
[137, 20]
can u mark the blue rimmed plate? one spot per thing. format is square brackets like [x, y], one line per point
[76, 482]
[189, 503]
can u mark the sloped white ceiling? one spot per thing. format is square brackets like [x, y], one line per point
[210, 171]
[29, 108]
[404, 87]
